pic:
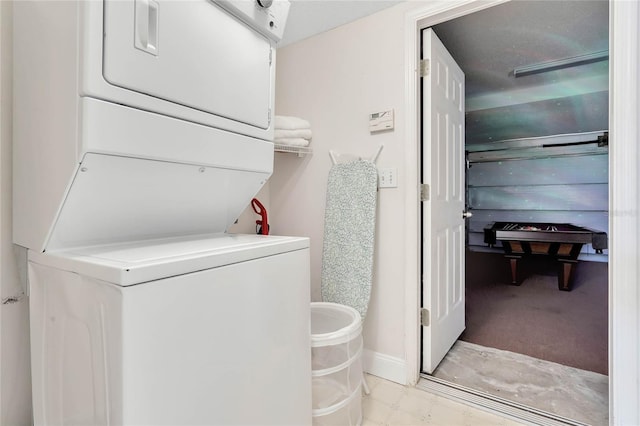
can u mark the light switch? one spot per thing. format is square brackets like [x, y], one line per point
[388, 178]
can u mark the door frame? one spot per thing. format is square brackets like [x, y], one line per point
[624, 199]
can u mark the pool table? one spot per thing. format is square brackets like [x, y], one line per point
[560, 240]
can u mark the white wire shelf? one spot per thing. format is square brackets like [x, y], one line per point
[299, 150]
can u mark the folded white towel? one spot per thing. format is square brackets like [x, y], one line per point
[291, 123]
[292, 141]
[292, 134]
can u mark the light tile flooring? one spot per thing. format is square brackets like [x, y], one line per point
[396, 405]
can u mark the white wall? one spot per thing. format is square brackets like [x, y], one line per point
[15, 373]
[335, 80]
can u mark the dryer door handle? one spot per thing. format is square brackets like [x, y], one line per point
[146, 22]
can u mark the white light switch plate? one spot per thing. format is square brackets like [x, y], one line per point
[388, 178]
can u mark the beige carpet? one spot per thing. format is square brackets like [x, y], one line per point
[535, 318]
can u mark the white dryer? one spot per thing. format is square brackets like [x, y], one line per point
[142, 130]
[92, 105]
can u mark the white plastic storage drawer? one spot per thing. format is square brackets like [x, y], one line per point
[191, 53]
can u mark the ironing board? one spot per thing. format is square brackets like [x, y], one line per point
[349, 229]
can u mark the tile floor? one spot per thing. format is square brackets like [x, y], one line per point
[391, 404]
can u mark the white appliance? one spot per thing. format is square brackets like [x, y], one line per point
[142, 130]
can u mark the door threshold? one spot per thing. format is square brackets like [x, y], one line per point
[491, 403]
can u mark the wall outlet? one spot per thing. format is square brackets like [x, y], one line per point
[388, 178]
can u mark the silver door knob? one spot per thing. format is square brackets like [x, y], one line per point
[466, 215]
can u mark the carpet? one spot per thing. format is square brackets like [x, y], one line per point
[535, 318]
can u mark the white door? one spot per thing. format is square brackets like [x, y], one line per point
[442, 213]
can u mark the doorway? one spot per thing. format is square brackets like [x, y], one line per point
[624, 223]
[492, 132]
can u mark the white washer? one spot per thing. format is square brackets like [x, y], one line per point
[184, 331]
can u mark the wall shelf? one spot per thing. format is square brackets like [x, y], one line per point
[300, 150]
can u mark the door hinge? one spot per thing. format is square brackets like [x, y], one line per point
[424, 67]
[424, 192]
[424, 317]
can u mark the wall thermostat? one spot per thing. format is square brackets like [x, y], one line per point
[379, 121]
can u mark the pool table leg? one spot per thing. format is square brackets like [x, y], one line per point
[565, 277]
[513, 260]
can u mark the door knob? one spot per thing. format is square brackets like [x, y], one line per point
[466, 215]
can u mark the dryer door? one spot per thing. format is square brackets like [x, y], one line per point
[191, 53]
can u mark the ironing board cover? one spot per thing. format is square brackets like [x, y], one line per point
[349, 229]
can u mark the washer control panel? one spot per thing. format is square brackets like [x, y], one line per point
[266, 16]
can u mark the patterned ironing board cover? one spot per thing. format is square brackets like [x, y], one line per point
[349, 231]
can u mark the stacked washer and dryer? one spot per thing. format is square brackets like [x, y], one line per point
[142, 130]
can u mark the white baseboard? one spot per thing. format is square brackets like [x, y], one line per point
[385, 366]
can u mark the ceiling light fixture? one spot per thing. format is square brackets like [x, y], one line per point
[557, 64]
